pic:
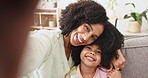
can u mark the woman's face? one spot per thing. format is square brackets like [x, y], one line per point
[91, 56]
[86, 34]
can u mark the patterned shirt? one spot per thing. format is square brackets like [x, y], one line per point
[75, 73]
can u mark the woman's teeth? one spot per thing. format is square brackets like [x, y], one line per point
[79, 39]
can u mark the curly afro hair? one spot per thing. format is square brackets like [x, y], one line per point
[109, 42]
[83, 11]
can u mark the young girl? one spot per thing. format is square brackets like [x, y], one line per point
[93, 61]
[90, 65]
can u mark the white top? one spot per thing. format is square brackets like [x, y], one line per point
[44, 56]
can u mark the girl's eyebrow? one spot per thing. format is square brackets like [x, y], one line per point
[99, 48]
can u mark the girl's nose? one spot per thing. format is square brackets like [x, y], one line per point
[92, 53]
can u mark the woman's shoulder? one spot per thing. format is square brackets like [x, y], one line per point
[56, 31]
[46, 33]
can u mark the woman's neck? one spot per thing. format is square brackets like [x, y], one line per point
[67, 46]
[87, 72]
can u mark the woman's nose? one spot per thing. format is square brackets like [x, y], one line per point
[86, 36]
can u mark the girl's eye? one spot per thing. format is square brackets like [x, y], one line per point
[88, 47]
[99, 52]
[87, 28]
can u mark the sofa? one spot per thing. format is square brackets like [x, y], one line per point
[135, 51]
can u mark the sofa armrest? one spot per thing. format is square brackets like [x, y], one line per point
[135, 51]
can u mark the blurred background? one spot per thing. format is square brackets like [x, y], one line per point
[48, 12]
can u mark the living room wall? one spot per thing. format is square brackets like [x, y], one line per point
[119, 11]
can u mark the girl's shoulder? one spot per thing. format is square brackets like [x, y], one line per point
[71, 73]
[101, 72]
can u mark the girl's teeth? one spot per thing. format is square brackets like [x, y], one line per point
[90, 58]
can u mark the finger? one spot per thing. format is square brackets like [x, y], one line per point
[110, 74]
[116, 65]
[117, 69]
[122, 59]
[121, 65]
[113, 70]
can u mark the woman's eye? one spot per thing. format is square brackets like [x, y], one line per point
[93, 38]
[87, 28]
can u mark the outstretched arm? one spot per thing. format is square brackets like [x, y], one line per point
[15, 21]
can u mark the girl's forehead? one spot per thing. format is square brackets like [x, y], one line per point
[94, 46]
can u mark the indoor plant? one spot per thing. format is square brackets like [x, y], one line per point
[135, 24]
[111, 6]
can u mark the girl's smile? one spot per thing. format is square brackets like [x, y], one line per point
[91, 56]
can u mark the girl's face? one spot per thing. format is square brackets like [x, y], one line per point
[86, 34]
[91, 56]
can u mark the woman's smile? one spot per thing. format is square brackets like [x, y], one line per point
[77, 39]
[86, 34]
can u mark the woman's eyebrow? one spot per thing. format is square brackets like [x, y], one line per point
[92, 29]
[90, 26]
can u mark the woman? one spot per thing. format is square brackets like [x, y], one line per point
[47, 54]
